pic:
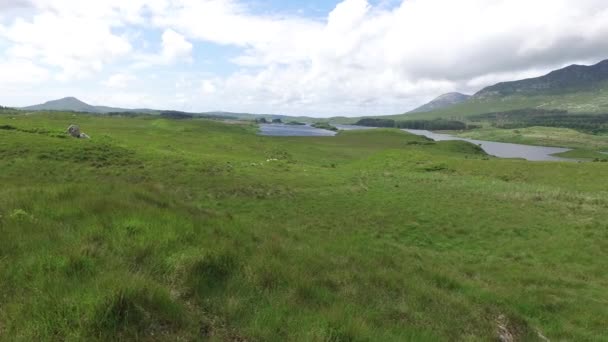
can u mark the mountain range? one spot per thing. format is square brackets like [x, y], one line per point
[72, 104]
[576, 88]
[569, 79]
[75, 105]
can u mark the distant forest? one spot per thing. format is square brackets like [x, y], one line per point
[7, 110]
[438, 124]
[521, 118]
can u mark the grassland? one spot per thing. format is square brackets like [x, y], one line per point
[197, 230]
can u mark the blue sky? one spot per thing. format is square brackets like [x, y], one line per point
[320, 58]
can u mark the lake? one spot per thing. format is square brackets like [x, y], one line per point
[282, 130]
[497, 149]
[503, 150]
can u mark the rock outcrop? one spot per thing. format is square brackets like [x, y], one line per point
[75, 132]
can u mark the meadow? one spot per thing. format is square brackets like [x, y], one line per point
[198, 230]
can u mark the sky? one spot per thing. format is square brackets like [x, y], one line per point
[318, 57]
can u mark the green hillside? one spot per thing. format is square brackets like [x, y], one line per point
[195, 230]
[576, 88]
[584, 101]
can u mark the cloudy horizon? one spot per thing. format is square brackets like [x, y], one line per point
[316, 58]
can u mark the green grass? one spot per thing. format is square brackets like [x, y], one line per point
[324, 125]
[198, 230]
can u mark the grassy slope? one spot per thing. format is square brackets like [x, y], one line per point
[165, 230]
[584, 101]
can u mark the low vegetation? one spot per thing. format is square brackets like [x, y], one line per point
[437, 124]
[324, 125]
[590, 123]
[169, 230]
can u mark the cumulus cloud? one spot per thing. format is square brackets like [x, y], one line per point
[78, 46]
[359, 59]
[21, 73]
[370, 59]
[175, 46]
[119, 81]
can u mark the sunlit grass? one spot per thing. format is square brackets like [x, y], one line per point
[198, 230]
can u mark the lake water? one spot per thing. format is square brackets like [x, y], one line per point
[497, 149]
[503, 150]
[282, 130]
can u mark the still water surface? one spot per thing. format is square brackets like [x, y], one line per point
[503, 150]
[498, 149]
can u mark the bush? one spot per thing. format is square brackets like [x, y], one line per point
[324, 125]
[521, 118]
[438, 124]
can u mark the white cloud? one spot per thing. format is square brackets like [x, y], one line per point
[119, 81]
[78, 46]
[21, 73]
[207, 87]
[369, 59]
[360, 59]
[175, 46]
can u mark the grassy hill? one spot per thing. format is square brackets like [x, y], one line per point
[576, 88]
[196, 230]
[584, 101]
[73, 104]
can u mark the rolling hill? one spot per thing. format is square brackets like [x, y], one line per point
[576, 88]
[72, 104]
[570, 79]
[64, 104]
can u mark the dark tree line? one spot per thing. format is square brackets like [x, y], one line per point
[593, 123]
[7, 110]
[438, 125]
[265, 121]
[177, 115]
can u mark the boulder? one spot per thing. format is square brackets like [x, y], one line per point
[74, 131]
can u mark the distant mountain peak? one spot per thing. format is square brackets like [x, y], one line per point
[67, 103]
[442, 101]
[70, 98]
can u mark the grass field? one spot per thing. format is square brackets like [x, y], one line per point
[198, 230]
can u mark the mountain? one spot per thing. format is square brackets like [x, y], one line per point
[75, 105]
[568, 79]
[442, 101]
[67, 104]
[578, 89]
